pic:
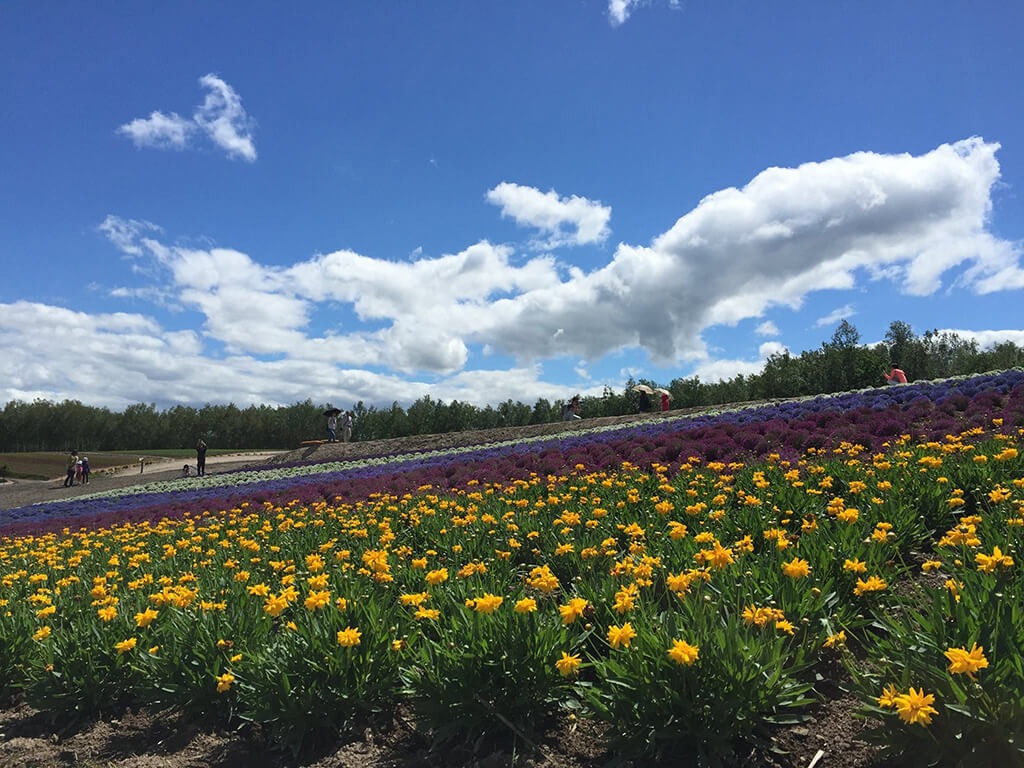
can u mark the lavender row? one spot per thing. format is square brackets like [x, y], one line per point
[869, 418]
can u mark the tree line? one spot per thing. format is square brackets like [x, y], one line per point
[839, 364]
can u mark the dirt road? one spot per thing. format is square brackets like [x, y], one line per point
[20, 493]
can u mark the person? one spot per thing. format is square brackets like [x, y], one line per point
[645, 401]
[185, 471]
[571, 410]
[78, 471]
[332, 427]
[85, 470]
[346, 427]
[664, 401]
[69, 478]
[200, 458]
[895, 376]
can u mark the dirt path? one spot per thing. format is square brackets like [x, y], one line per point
[20, 493]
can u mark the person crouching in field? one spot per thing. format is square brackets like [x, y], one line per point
[69, 478]
[895, 376]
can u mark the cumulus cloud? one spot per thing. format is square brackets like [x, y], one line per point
[221, 118]
[988, 339]
[788, 233]
[565, 220]
[770, 348]
[833, 317]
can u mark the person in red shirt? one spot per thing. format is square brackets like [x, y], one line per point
[895, 376]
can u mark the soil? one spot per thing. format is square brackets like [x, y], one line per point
[140, 739]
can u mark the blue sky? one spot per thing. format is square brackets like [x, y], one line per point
[229, 202]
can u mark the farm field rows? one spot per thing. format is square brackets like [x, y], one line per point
[692, 584]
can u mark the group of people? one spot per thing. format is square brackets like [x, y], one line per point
[77, 470]
[333, 422]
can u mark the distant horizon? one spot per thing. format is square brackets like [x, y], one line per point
[493, 202]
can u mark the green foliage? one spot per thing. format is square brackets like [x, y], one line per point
[489, 676]
[657, 707]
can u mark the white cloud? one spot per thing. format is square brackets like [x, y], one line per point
[125, 233]
[767, 328]
[224, 119]
[835, 316]
[620, 10]
[159, 131]
[770, 348]
[786, 234]
[587, 220]
[220, 117]
[987, 339]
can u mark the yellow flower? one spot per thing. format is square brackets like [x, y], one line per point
[796, 568]
[427, 613]
[988, 563]
[873, 584]
[915, 707]
[526, 605]
[107, 613]
[236, 658]
[963, 661]
[682, 652]
[42, 633]
[436, 577]
[153, 650]
[855, 566]
[488, 603]
[275, 605]
[568, 663]
[931, 565]
[417, 598]
[625, 599]
[145, 618]
[621, 635]
[888, 697]
[543, 579]
[837, 640]
[348, 637]
[720, 556]
[224, 682]
[317, 600]
[125, 645]
[572, 610]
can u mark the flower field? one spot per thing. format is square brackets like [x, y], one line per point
[693, 583]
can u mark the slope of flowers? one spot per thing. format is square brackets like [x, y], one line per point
[689, 597]
[867, 418]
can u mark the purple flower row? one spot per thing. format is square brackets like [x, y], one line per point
[869, 418]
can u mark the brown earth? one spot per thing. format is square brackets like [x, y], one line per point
[139, 739]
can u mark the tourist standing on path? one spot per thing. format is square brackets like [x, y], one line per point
[645, 402]
[346, 427]
[85, 470]
[69, 478]
[332, 425]
[200, 458]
